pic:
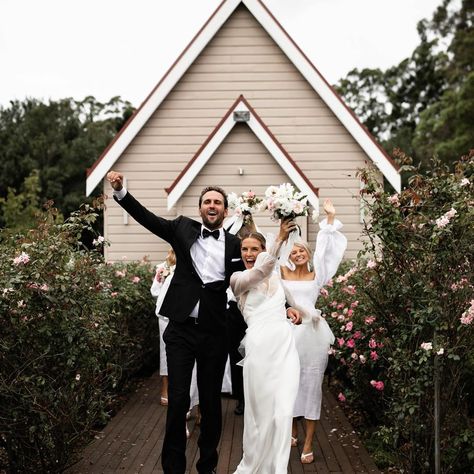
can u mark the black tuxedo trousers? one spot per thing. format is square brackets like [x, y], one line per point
[236, 328]
[187, 342]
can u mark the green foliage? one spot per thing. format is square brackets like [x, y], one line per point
[424, 104]
[60, 139]
[445, 127]
[406, 312]
[73, 331]
[20, 210]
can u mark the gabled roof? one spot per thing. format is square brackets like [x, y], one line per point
[261, 13]
[234, 115]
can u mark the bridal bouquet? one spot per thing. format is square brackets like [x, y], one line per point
[243, 206]
[285, 201]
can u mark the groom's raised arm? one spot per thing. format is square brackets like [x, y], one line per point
[159, 226]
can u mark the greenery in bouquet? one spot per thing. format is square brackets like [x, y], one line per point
[284, 201]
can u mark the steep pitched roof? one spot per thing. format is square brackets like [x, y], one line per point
[235, 114]
[261, 13]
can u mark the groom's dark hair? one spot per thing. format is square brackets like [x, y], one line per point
[217, 189]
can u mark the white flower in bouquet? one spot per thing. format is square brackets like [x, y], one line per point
[233, 200]
[285, 201]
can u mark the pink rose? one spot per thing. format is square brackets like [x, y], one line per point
[378, 385]
[372, 343]
[340, 341]
[341, 397]
[22, 259]
[357, 335]
[349, 326]
[350, 343]
[369, 320]
[374, 355]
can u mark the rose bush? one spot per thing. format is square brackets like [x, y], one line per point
[403, 314]
[72, 332]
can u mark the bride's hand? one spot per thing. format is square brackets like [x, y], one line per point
[294, 315]
[286, 227]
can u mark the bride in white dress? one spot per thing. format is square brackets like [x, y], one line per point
[271, 365]
[302, 283]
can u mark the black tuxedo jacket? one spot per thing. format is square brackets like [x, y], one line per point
[186, 288]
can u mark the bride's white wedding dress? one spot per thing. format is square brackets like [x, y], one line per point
[270, 369]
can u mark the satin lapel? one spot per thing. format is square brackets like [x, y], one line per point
[192, 236]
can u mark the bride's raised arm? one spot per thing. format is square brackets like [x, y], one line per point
[330, 246]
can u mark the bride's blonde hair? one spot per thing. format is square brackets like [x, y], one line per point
[304, 245]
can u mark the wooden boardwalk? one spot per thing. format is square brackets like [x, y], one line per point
[131, 442]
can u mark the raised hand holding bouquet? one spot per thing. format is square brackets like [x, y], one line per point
[243, 206]
[285, 202]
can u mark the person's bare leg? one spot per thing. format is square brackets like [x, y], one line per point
[307, 453]
[164, 390]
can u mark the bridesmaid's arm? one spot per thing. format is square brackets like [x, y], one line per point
[330, 246]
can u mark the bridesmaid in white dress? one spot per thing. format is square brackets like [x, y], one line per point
[302, 283]
[271, 365]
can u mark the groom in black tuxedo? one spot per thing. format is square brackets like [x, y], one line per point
[195, 304]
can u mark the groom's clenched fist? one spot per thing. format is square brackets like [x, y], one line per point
[115, 179]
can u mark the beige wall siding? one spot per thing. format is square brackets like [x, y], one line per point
[240, 59]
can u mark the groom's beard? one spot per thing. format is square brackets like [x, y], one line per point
[214, 224]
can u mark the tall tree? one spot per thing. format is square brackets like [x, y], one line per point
[420, 105]
[60, 139]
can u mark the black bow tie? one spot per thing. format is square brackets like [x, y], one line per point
[206, 233]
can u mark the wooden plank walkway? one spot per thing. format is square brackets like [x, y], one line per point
[131, 442]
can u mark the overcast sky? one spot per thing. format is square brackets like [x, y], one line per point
[74, 48]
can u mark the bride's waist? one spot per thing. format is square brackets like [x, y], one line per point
[256, 319]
